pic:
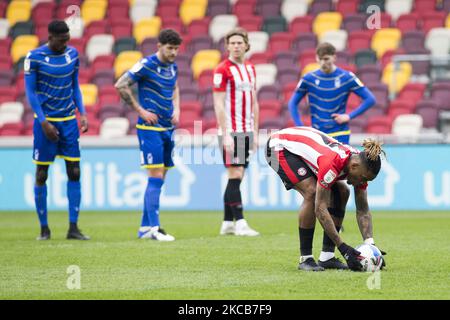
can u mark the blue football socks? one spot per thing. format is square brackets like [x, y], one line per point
[40, 200]
[151, 201]
[74, 197]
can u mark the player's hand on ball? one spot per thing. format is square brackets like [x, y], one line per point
[84, 124]
[50, 131]
[148, 116]
[352, 256]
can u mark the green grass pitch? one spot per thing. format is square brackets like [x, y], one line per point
[200, 264]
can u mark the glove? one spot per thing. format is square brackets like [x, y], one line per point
[351, 256]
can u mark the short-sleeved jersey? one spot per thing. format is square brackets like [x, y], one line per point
[156, 86]
[54, 79]
[325, 156]
[328, 94]
[239, 83]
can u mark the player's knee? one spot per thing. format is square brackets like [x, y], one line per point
[73, 173]
[156, 173]
[41, 177]
[309, 193]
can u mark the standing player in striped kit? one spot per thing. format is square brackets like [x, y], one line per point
[237, 113]
[51, 85]
[312, 162]
[328, 89]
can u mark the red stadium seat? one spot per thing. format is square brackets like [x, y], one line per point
[8, 94]
[198, 27]
[118, 10]
[43, 11]
[288, 91]
[205, 79]
[5, 47]
[412, 92]
[120, 27]
[347, 6]
[244, 8]
[306, 57]
[432, 20]
[12, 129]
[359, 40]
[408, 22]
[301, 24]
[261, 57]
[103, 62]
[96, 27]
[424, 6]
[280, 41]
[173, 23]
[250, 22]
[192, 106]
[79, 44]
[379, 125]
[167, 9]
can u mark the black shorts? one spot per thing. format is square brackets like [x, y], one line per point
[243, 143]
[290, 167]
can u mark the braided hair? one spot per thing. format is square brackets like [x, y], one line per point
[371, 156]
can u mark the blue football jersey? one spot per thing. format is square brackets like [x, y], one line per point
[156, 87]
[54, 75]
[328, 94]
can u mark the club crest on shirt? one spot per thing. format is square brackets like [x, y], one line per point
[68, 59]
[47, 59]
[217, 79]
[337, 83]
[301, 172]
[317, 82]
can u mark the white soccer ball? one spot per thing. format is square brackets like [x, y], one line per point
[372, 257]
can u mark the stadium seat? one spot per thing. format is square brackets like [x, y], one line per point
[398, 7]
[205, 79]
[381, 93]
[203, 60]
[287, 75]
[369, 73]
[93, 10]
[291, 9]
[146, 28]
[173, 23]
[364, 4]
[354, 22]
[149, 46]
[103, 78]
[301, 24]
[244, 8]
[192, 11]
[268, 8]
[396, 80]
[345, 7]
[18, 11]
[359, 40]
[274, 24]
[408, 22]
[280, 41]
[379, 125]
[89, 93]
[98, 45]
[21, 28]
[407, 125]
[141, 11]
[326, 21]
[121, 28]
[218, 7]
[11, 112]
[261, 57]
[4, 28]
[338, 38]
[113, 128]
[5, 47]
[412, 91]
[268, 93]
[447, 21]
[125, 60]
[198, 26]
[319, 6]
[285, 59]
[438, 41]
[11, 129]
[385, 39]
[440, 91]
[432, 20]
[221, 24]
[76, 27]
[307, 56]
[429, 112]
[21, 45]
[307, 40]
[118, 10]
[358, 125]
[111, 110]
[258, 41]
[424, 5]
[96, 27]
[6, 78]
[266, 74]
[413, 40]
[168, 9]
[124, 44]
[189, 94]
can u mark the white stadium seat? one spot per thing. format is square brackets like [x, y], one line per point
[114, 127]
[142, 11]
[438, 41]
[398, 7]
[221, 24]
[407, 125]
[291, 9]
[338, 38]
[11, 112]
[265, 74]
[258, 42]
[4, 28]
[76, 27]
[98, 45]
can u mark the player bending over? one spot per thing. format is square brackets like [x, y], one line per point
[313, 164]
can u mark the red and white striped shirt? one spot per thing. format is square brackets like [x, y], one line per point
[239, 82]
[326, 156]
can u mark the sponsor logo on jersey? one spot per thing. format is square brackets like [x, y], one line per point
[329, 176]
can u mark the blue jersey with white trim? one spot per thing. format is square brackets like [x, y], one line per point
[328, 94]
[156, 87]
[54, 75]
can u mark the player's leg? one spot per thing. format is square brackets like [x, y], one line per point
[69, 150]
[44, 152]
[338, 203]
[295, 174]
[40, 200]
[233, 209]
[74, 198]
[152, 146]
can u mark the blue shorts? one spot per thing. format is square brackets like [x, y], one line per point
[67, 147]
[156, 148]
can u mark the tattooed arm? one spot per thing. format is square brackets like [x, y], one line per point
[323, 215]
[123, 86]
[363, 216]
